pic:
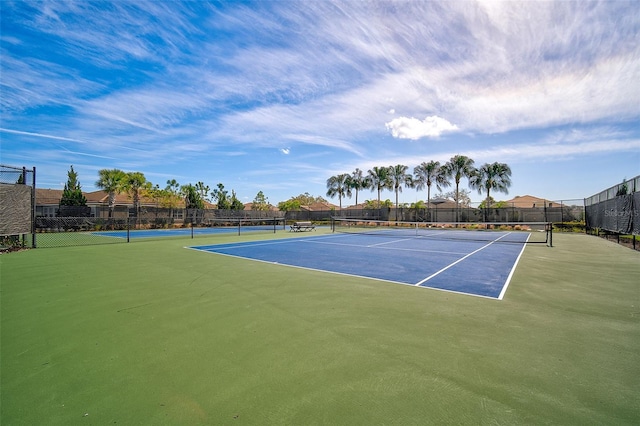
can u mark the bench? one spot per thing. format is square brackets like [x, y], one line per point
[302, 226]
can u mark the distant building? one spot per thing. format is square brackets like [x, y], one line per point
[529, 201]
[48, 201]
[322, 206]
[249, 206]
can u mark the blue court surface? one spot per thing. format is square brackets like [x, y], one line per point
[182, 232]
[479, 268]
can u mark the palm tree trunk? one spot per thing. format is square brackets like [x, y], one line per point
[396, 203]
[428, 203]
[486, 218]
[457, 204]
[112, 197]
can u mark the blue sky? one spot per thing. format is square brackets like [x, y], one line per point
[277, 96]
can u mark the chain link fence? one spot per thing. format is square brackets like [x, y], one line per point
[78, 231]
[614, 213]
[25, 223]
[567, 214]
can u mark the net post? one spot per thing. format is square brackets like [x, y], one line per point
[33, 209]
[192, 230]
[550, 234]
[274, 224]
[239, 225]
[128, 227]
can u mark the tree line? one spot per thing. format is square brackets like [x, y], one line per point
[173, 195]
[485, 179]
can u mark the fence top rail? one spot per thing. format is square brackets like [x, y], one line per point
[627, 186]
[12, 175]
[4, 166]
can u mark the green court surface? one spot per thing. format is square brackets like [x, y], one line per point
[149, 333]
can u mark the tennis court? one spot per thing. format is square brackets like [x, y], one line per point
[177, 232]
[220, 226]
[474, 263]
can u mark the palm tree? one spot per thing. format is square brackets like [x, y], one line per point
[426, 174]
[133, 183]
[378, 178]
[397, 178]
[358, 182]
[111, 181]
[495, 176]
[339, 185]
[458, 167]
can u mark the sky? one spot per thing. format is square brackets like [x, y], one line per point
[278, 96]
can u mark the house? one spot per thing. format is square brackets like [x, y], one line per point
[529, 201]
[320, 206]
[441, 203]
[48, 202]
[436, 203]
[360, 206]
[249, 206]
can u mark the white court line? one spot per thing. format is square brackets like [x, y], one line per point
[391, 242]
[377, 246]
[506, 284]
[239, 245]
[458, 261]
[262, 243]
[339, 273]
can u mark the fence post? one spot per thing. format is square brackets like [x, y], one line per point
[33, 210]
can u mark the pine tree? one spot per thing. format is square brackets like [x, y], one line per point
[72, 193]
[235, 204]
[221, 196]
[260, 202]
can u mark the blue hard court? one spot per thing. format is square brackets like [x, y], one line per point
[480, 268]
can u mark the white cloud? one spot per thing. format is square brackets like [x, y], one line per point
[40, 135]
[412, 128]
[156, 88]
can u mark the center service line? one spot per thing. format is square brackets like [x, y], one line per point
[459, 260]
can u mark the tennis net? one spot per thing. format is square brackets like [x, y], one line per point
[247, 224]
[500, 232]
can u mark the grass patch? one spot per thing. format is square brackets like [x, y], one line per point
[151, 333]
